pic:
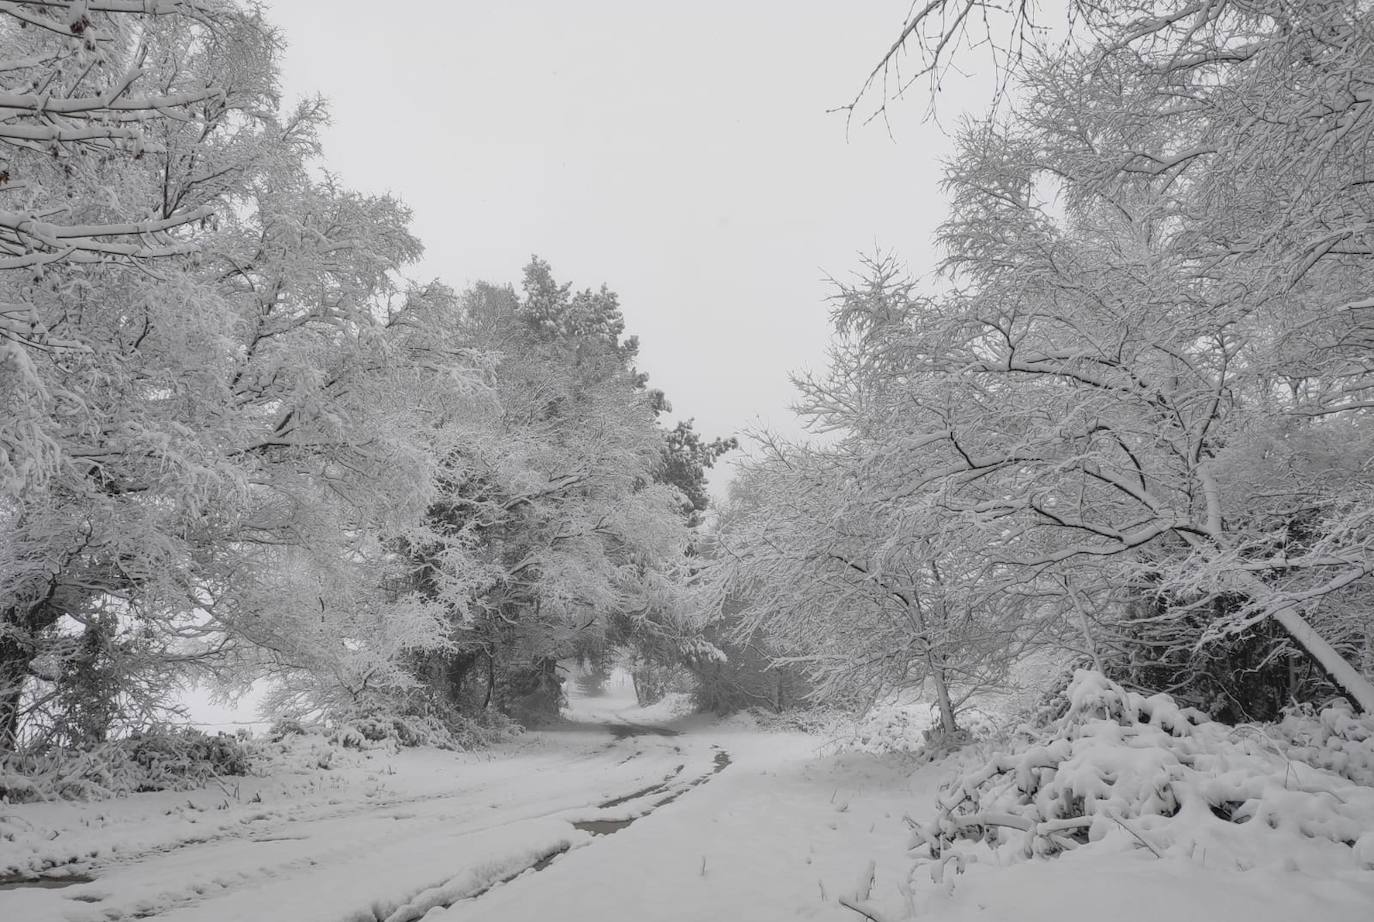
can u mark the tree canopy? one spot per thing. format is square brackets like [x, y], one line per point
[1144, 377]
[239, 443]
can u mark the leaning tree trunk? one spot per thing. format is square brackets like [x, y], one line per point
[1336, 666]
[1342, 672]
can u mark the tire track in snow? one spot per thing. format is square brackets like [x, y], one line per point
[292, 851]
[452, 892]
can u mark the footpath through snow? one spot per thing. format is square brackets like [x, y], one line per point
[624, 814]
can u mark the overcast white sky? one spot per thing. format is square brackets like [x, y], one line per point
[680, 153]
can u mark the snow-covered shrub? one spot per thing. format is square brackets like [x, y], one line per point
[914, 728]
[284, 727]
[170, 758]
[893, 729]
[17, 788]
[1141, 772]
[653, 680]
[366, 731]
[448, 730]
[1336, 740]
[159, 759]
[817, 720]
[479, 730]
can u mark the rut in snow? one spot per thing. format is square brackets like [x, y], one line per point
[441, 898]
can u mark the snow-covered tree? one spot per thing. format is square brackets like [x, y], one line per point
[1148, 372]
[90, 85]
[238, 443]
[687, 457]
[123, 128]
[213, 436]
[864, 596]
[552, 498]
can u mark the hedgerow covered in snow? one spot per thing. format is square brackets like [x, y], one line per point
[185, 759]
[449, 731]
[160, 759]
[1124, 770]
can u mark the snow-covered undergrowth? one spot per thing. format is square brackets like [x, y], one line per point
[453, 731]
[908, 721]
[915, 728]
[1334, 739]
[907, 724]
[158, 760]
[1122, 770]
[186, 759]
[894, 729]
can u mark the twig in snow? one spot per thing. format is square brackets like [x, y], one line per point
[867, 912]
[865, 888]
[937, 869]
[1137, 836]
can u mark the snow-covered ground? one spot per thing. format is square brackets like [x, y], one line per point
[727, 822]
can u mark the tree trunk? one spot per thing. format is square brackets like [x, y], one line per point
[1342, 672]
[936, 671]
[19, 629]
[14, 668]
[935, 666]
[937, 678]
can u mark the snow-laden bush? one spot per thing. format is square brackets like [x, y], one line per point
[892, 729]
[1335, 739]
[817, 720]
[169, 758]
[1141, 772]
[287, 726]
[449, 730]
[915, 728]
[159, 759]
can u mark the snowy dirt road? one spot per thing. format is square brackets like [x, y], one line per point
[387, 840]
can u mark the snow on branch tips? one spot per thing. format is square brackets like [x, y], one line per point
[86, 85]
